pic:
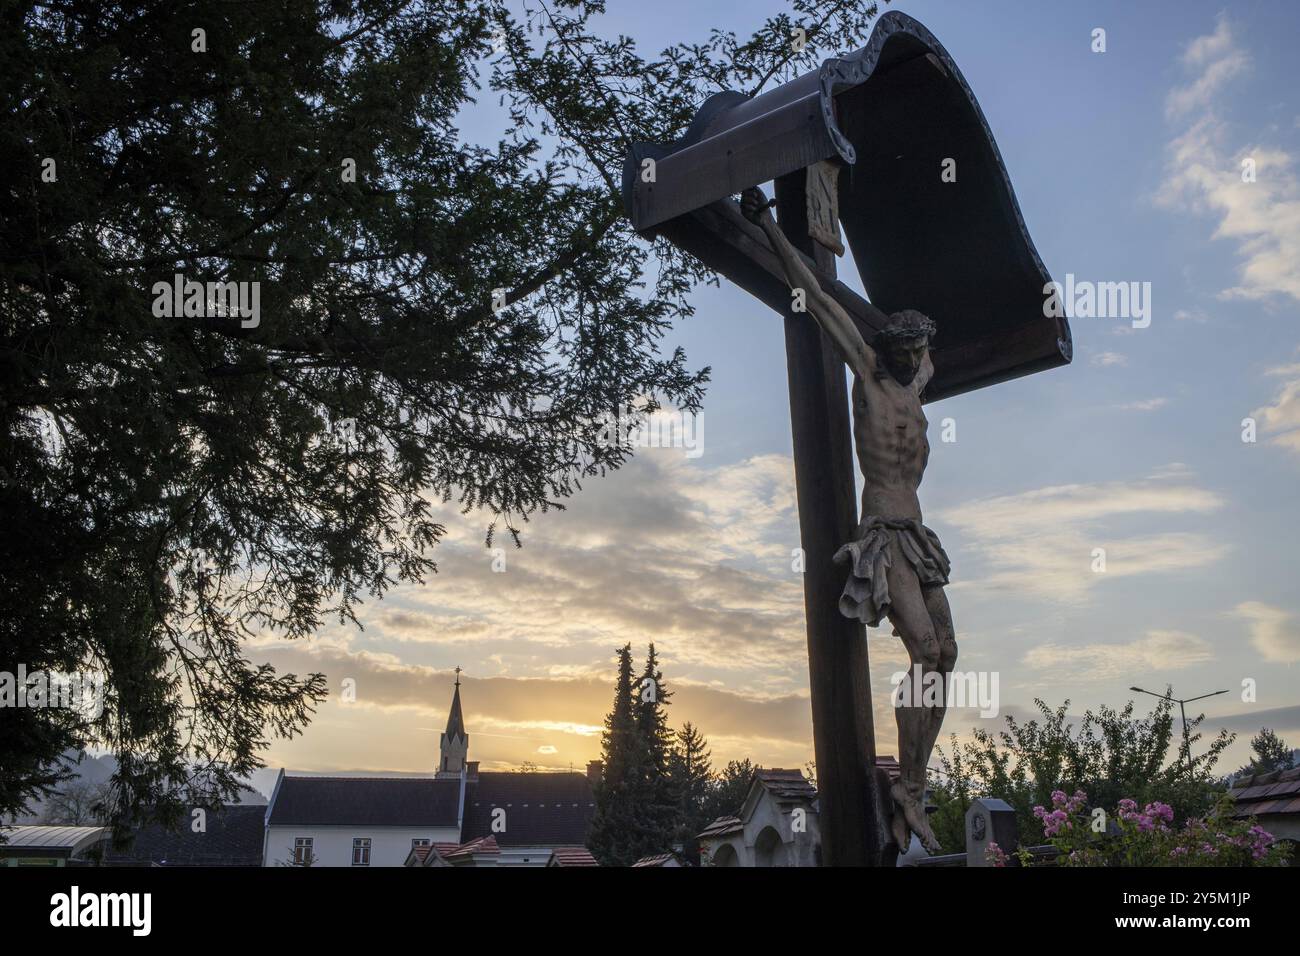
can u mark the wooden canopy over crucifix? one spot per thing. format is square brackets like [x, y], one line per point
[892, 141]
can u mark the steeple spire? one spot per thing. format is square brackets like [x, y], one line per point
[454, 744]
[455, 720]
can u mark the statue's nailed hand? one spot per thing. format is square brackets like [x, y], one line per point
[754, 204]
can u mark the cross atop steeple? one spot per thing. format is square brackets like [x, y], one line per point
[458, 675]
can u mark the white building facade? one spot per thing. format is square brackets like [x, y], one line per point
[457, 815]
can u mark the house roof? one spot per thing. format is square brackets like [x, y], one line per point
[232, 837]
[485, 844]
[658, 859]
[1267, 794]
[420, 852]
[426, 855]
[366, 801]
[786, 784]
[571, 856]
[541, 809]
[51, 838]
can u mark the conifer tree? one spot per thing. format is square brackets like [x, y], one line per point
[612, 838]
[730, 787]
[657, 803]
[691, 775]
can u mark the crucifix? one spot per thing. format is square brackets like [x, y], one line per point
[889, 144]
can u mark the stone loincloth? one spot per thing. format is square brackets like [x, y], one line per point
[866, 594]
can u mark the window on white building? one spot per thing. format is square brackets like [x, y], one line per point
[361, 851]
[302, 851]
[419, 841]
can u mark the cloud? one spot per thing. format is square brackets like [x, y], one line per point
[1281, 418]
[1204, 175]
[694, 558]
[1273, 631]
[1157, 650]
[1144, 405]
[400, 708]
[1042, 542]
[1106, 359]
[1211, 60]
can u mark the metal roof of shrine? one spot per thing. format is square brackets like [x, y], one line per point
[891, 113]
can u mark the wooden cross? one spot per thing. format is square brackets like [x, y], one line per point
[860, 142]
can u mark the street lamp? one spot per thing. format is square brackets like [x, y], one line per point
[1182, 706]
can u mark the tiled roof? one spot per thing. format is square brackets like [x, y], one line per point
[366, 801]
[485, 844]
[786, 784]
[232, 837]
[659, 859]
[721, 827]
[541, 809]
[426, 855]
[572, 856]
[1267, 794]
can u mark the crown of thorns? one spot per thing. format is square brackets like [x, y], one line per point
[908, 324]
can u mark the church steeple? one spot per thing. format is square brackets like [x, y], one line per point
[453, 746]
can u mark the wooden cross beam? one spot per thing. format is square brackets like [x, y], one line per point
[723, 239]
[888, 118]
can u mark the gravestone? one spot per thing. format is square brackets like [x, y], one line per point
[989, 820]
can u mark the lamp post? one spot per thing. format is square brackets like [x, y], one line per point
[1182, 706]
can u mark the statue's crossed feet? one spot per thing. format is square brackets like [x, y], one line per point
[909, 817]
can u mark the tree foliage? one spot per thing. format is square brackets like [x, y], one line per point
[730, 787]
[691, 774]
[1269, 752]
[443, 319]
[1110, 755]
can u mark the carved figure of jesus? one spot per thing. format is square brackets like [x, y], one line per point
[897, 568]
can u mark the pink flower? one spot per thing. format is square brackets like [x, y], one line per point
[1161, 810]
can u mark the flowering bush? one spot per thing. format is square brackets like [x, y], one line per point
[1146, 837]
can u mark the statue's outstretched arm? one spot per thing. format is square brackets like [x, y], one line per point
[828, 313]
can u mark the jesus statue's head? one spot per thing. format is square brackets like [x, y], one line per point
[901, 345]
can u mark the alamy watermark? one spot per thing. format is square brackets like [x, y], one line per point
[666, 428]
[1083, 299]
[82, 691]
[922, 688]
[186, 298]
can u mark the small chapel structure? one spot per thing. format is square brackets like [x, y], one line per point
[457, 816]
[779, 824]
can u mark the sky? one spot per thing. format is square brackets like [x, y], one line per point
[1128, 166]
